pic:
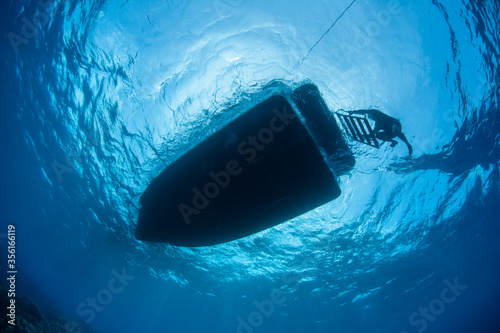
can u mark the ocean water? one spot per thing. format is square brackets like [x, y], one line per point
[99, 96]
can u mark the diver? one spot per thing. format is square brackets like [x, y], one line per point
[386, 127]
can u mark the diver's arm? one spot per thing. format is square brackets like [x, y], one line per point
[368, 112]
[403, 138]
[373, 114]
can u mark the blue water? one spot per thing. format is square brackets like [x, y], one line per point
[99, 96]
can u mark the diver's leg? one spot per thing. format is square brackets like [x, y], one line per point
[384, 136]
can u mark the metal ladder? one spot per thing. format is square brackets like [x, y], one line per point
[358, 128]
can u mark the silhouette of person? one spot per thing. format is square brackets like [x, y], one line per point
[386, 127]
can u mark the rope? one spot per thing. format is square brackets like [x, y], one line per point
[326, 32]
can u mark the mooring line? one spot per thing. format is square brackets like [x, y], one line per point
[319, 40]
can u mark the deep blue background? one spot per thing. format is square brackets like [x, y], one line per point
[113, 91]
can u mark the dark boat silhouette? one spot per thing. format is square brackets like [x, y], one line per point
[265, 167]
